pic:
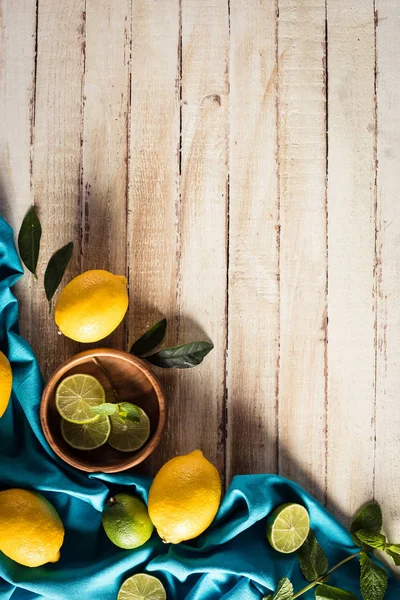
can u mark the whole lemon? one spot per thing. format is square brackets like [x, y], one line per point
[184, 497]
[126, 521]
[31, 532]
[91, 306]
[5, 383]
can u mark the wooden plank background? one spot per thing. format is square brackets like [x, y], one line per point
[238, 162]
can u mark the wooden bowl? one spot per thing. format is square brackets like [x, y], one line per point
[133, 382]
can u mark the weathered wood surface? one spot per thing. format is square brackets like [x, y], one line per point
[238, 162]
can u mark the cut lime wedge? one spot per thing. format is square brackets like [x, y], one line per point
[142, 587]
[127, 435]
[288, 527]
[76, 395]
[87, 436]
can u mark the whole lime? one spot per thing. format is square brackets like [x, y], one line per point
[126, 521]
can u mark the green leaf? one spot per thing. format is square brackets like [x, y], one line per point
[393, 550]
[107, 408]
[56, 268]
[29, 240]
[373, 540]
[373, 579]
[181, 357]
[150, 339]
[368, 518]
[129, 411]
[284, 591]
[269, 597]
[327, 592]
[312, 558]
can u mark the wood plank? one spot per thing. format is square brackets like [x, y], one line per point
[154, 183]
[387, 477]
[351, 234]
[17, 108]
[302, 174]
[17, 91]
[105, 140]
[253, 343]
[57, 157]
[200, 403]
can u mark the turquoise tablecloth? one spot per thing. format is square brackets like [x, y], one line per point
[232, 560]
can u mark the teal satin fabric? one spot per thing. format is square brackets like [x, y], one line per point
[232, 560]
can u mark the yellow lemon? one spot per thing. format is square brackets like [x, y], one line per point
[184, 497]
[31, 532]
[5, 383]
[91, 306]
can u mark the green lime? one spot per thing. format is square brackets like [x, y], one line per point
[287, 527]
[76, 395]
[87, 436]
[126, 521]
[127, 435]
[142, 587]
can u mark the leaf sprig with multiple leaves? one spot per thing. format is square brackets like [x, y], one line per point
[29, 238]
[366, 533]
[179, 357]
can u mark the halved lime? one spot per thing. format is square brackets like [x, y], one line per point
[288, 527]
[142, 587]
[86, 436]
[76, 395]
[127, 435]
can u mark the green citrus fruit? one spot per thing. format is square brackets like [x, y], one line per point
[87, 436]
[127, 435]
[142, 587]
[75, 397]
[126, 521]
[288, 527]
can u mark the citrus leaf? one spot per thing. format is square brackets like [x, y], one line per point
[284, 591]
[368, 518]
[150, 339]
[129, 411]
[181, 357]
[327, 592]
[312, 558]
[56, 268]
[29, 240]
[373, 579]
[107, 408]
[373, 540]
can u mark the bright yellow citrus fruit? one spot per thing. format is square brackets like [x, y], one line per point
[5, 383]
[184, 497]
[31, 532]
[91, 306]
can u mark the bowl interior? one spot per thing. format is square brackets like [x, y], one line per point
[132, 383]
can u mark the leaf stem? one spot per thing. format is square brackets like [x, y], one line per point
[321, 579]
[106, 375]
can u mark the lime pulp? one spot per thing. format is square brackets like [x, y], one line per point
[142, 587]
[288, 527]
[86, 436]
[75, 397]
[127, 435]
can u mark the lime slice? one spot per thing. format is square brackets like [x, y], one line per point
[287, 527]
[128, 436]
[86, 436]
[76, 395]
[142, 587]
